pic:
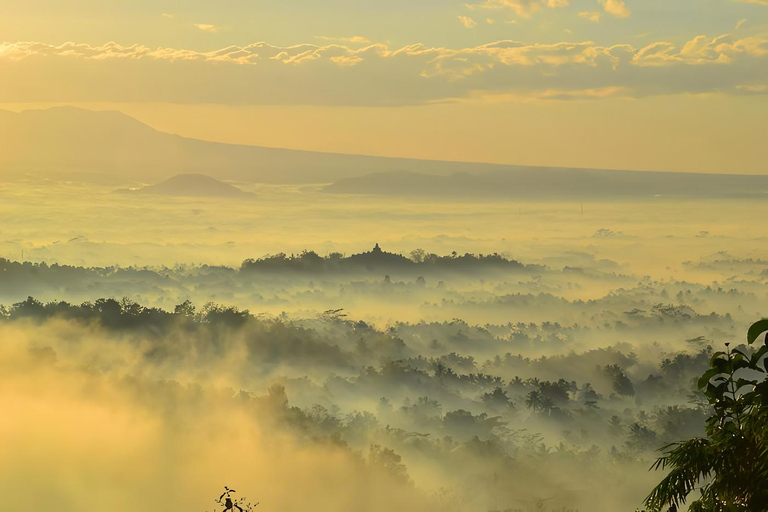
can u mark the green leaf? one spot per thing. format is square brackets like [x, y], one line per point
[740, 383]
[704, 380]
[757, 356]
[739, 363]
[756, 330]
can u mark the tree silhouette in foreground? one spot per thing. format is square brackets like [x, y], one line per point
[229, 502]
[730, 466]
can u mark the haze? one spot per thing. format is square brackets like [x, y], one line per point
[431, 256]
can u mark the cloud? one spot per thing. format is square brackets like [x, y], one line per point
[759, 2]
[523, 8]
[467, 21]
[353, 39]
[740, 23]
[701, 50]
[207, 27]
[590, 94]
[592, 16]
[551, 95]
[616, 7]
[375, 73]
[753, 88]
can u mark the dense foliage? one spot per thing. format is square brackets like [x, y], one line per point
[730, 466]
[404, 397]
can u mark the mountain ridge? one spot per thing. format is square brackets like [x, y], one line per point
[108, 145]
[67, 139]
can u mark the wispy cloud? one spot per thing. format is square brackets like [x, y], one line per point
[467, 21]
[523, 8]
[353, 39]
[208, 27]
[753, 88]
[592, 16]
[377, 74]
[701, 50]
[546, 95]
[616, 7]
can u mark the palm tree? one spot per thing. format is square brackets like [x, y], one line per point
[534, 400]
[730, 466]
[517, 381]
[533, 381]
[547, 405]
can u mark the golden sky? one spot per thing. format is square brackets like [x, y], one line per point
[650, 84]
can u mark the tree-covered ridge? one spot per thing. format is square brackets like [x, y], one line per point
[377, 258]
[308, 260]
[596, 294]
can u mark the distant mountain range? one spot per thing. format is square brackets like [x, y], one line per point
[191, 185]
[545, 183]
[108, 146]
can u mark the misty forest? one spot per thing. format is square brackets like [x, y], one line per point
[409, 256]
[370, 351]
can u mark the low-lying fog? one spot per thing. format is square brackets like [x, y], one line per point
[152, 366]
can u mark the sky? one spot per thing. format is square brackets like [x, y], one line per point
[633, 84]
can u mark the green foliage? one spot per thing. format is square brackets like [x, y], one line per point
[730, 466]
[621, 383]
